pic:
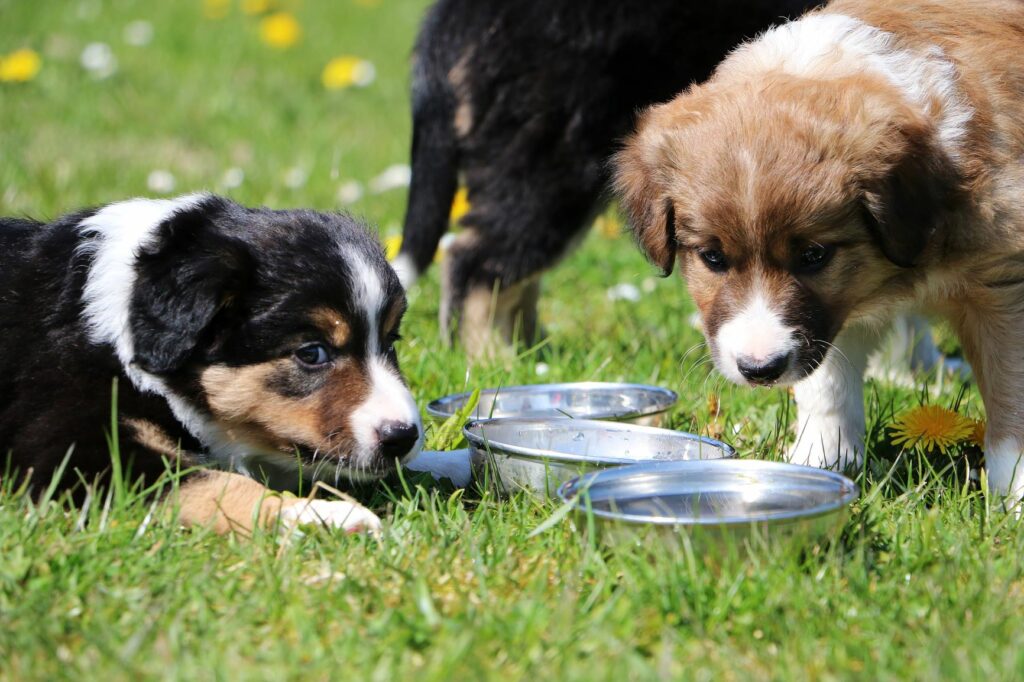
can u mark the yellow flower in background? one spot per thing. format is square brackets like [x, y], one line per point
[931, 427]
[280, 30]
[20, 66]
[347, 71]
[460, 205]
[392, 245]
[216, 9]
[609, 226]
[256, 6]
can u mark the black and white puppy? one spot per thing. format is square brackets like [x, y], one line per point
[257, 341]
[527, 100]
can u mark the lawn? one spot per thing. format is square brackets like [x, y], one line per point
[925, 581]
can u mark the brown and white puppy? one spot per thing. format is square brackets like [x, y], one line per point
[865, 159]
[259, 342]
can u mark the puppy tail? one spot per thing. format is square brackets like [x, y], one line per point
[435, 158]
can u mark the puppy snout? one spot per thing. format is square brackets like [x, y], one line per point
[397, 439]
[763, 370]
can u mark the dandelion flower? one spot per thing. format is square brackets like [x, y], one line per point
[216, 9]
[20, 66]
[978, 432]
[392, 245]
[256, 6]
[160, 181]
[350, 192]
[931, 427]
[608, 226]
[393, 177]
[280, 30]
[99, 60]
[346, 72]
[460, 205]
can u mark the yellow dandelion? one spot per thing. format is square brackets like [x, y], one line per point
[280, 30]
[347, 71]
[216, 9]
[460, 205]
[609, 226]
[978, 428]
[20, 66]
[931, 427]
[392, 245]
[256, 6]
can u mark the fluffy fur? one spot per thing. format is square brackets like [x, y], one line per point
[527, 101]
[857, 162]
[258, 341]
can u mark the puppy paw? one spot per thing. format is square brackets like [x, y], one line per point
[826, 447]
[348, 516]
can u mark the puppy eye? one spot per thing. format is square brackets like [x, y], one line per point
[714, 259]
[314, 355]
[814, 257]
[391, 339]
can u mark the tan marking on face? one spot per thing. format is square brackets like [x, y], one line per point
[249, 410]
[240, 398]
[333, 325]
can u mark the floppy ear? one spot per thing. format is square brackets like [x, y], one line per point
[183, 281]
[650, 212]
[907, 205]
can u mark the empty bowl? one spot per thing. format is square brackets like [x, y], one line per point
[726, 497]
[581, 400]
[540, 454]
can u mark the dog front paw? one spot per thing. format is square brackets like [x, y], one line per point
[348, 516]
[826, 446]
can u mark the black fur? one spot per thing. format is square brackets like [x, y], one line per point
[220, 284]
[551, 86]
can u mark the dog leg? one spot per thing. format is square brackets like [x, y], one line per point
[229, 502]
[992, 345]
[830, 404]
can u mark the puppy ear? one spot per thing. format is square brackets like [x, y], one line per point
[908, 204]
[649, 210]
[189, 275]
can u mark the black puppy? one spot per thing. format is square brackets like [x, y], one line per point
[259, 341]
[528, 100]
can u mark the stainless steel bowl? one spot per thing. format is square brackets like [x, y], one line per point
[713, 499]
[581, 400]
[540, 454]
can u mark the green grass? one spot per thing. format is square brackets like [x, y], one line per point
[925, 581]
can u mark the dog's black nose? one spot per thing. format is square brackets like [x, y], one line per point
[397, 439]
[765, 371]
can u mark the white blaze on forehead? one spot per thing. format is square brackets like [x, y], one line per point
[368, 296]
[389, 400]
[756, 332]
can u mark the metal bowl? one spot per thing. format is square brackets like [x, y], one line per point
[540, 454]
[581, 400]
[704, 499]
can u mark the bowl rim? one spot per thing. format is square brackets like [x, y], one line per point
[849, 491]
[434, 407]
[481, 443]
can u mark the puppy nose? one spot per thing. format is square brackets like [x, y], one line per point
[397, 438]
[765, 371]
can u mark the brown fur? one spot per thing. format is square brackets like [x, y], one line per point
[759, 163]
